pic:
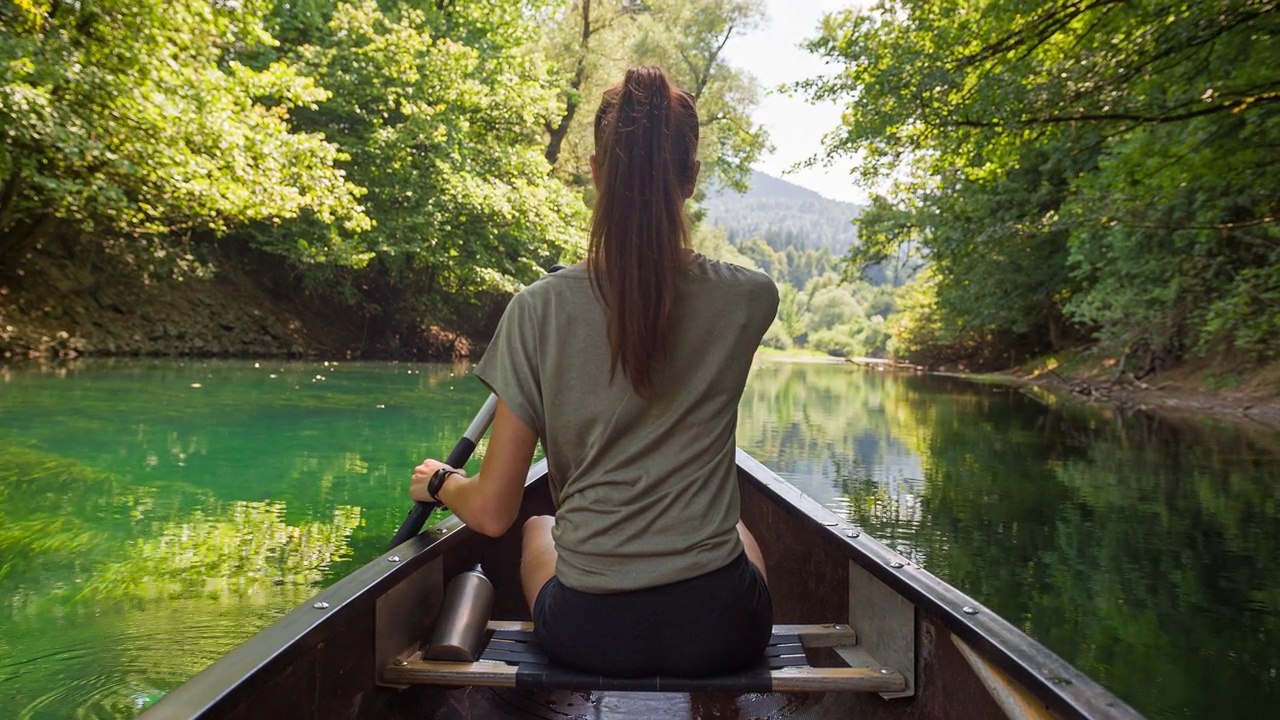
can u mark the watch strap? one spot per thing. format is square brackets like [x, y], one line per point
[437, 482]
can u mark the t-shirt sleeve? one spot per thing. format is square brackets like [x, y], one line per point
[763, 304]
[510, 364]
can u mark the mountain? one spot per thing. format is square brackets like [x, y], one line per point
[781, 214]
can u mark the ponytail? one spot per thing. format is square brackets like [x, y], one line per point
[646, 134]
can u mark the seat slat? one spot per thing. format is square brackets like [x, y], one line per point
[434, 672]
[791, 679]
[811, 679]
[513, 641]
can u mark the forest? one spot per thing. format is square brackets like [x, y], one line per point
[408, 162]
[1049, 173]
[1075, 172]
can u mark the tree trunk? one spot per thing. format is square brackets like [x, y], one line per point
[557, 133]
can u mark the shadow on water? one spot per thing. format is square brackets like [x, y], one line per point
[1144, 550]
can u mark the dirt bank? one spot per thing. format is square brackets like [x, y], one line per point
[60, 301]
[1236, 391]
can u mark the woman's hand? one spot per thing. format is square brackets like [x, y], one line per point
[421, 476]
[489, 501]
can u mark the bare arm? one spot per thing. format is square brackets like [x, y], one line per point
[488, 501]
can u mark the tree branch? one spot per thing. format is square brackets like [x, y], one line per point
[1157, 119]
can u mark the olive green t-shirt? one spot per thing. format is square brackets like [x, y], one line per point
[646, 492]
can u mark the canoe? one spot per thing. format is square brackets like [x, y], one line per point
[860, 632]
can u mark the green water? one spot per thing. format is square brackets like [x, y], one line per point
[155, 514]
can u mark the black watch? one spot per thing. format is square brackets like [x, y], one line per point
[437, 482]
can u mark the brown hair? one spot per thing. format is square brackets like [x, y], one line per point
[646, 134]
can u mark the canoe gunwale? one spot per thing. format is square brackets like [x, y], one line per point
[1064, 689]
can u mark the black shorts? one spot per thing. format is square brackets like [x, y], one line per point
[712, 624]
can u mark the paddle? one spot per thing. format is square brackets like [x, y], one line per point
[459, 457]
[418, 515]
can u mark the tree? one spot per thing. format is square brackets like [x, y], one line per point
[138, 120]
[578, 36]
[1101, 163]
[593, 42]
[440, 113]
[688, 38]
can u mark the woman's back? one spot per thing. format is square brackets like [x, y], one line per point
[645, 488]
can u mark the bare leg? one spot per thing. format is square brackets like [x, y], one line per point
[753, 550]
[537, 556]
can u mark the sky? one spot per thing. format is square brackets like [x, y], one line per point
[773, 54]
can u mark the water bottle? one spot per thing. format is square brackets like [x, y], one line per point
[459, 630]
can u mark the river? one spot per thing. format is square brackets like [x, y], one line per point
[154, 514]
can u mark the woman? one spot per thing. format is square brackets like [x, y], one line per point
[629, 367]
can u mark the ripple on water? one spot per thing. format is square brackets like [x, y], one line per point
[112, 665]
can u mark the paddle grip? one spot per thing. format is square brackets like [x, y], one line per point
[419, 513]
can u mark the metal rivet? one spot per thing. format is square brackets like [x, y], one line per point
[401, 662]
[322, 605]
[394, 558]
[897, 564]
[886, 671]
[969, 610]
[852, 533]
[830, 523]
[839, 626]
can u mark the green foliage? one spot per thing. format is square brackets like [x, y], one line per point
[393, 152]
[832, 306]
[687, 37]
[714, 243]
[835, 342]
[790, 310]
[1071, 168]
[777, 336]
[444, 131]
[138, 118]
[920, 331]
[1179, 260]
[592, 42]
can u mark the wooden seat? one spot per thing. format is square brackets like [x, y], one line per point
[512, 659]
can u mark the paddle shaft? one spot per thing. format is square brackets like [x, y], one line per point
[413, 523]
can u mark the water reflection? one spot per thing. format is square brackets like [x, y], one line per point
[148, 506]
[824, 427]
[239, 554]
[1143, 550]
[155, 514]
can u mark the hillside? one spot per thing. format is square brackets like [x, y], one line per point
[782, 213]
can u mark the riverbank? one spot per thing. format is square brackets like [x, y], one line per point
[60, 301]
[57, 304]
[1240, 392]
